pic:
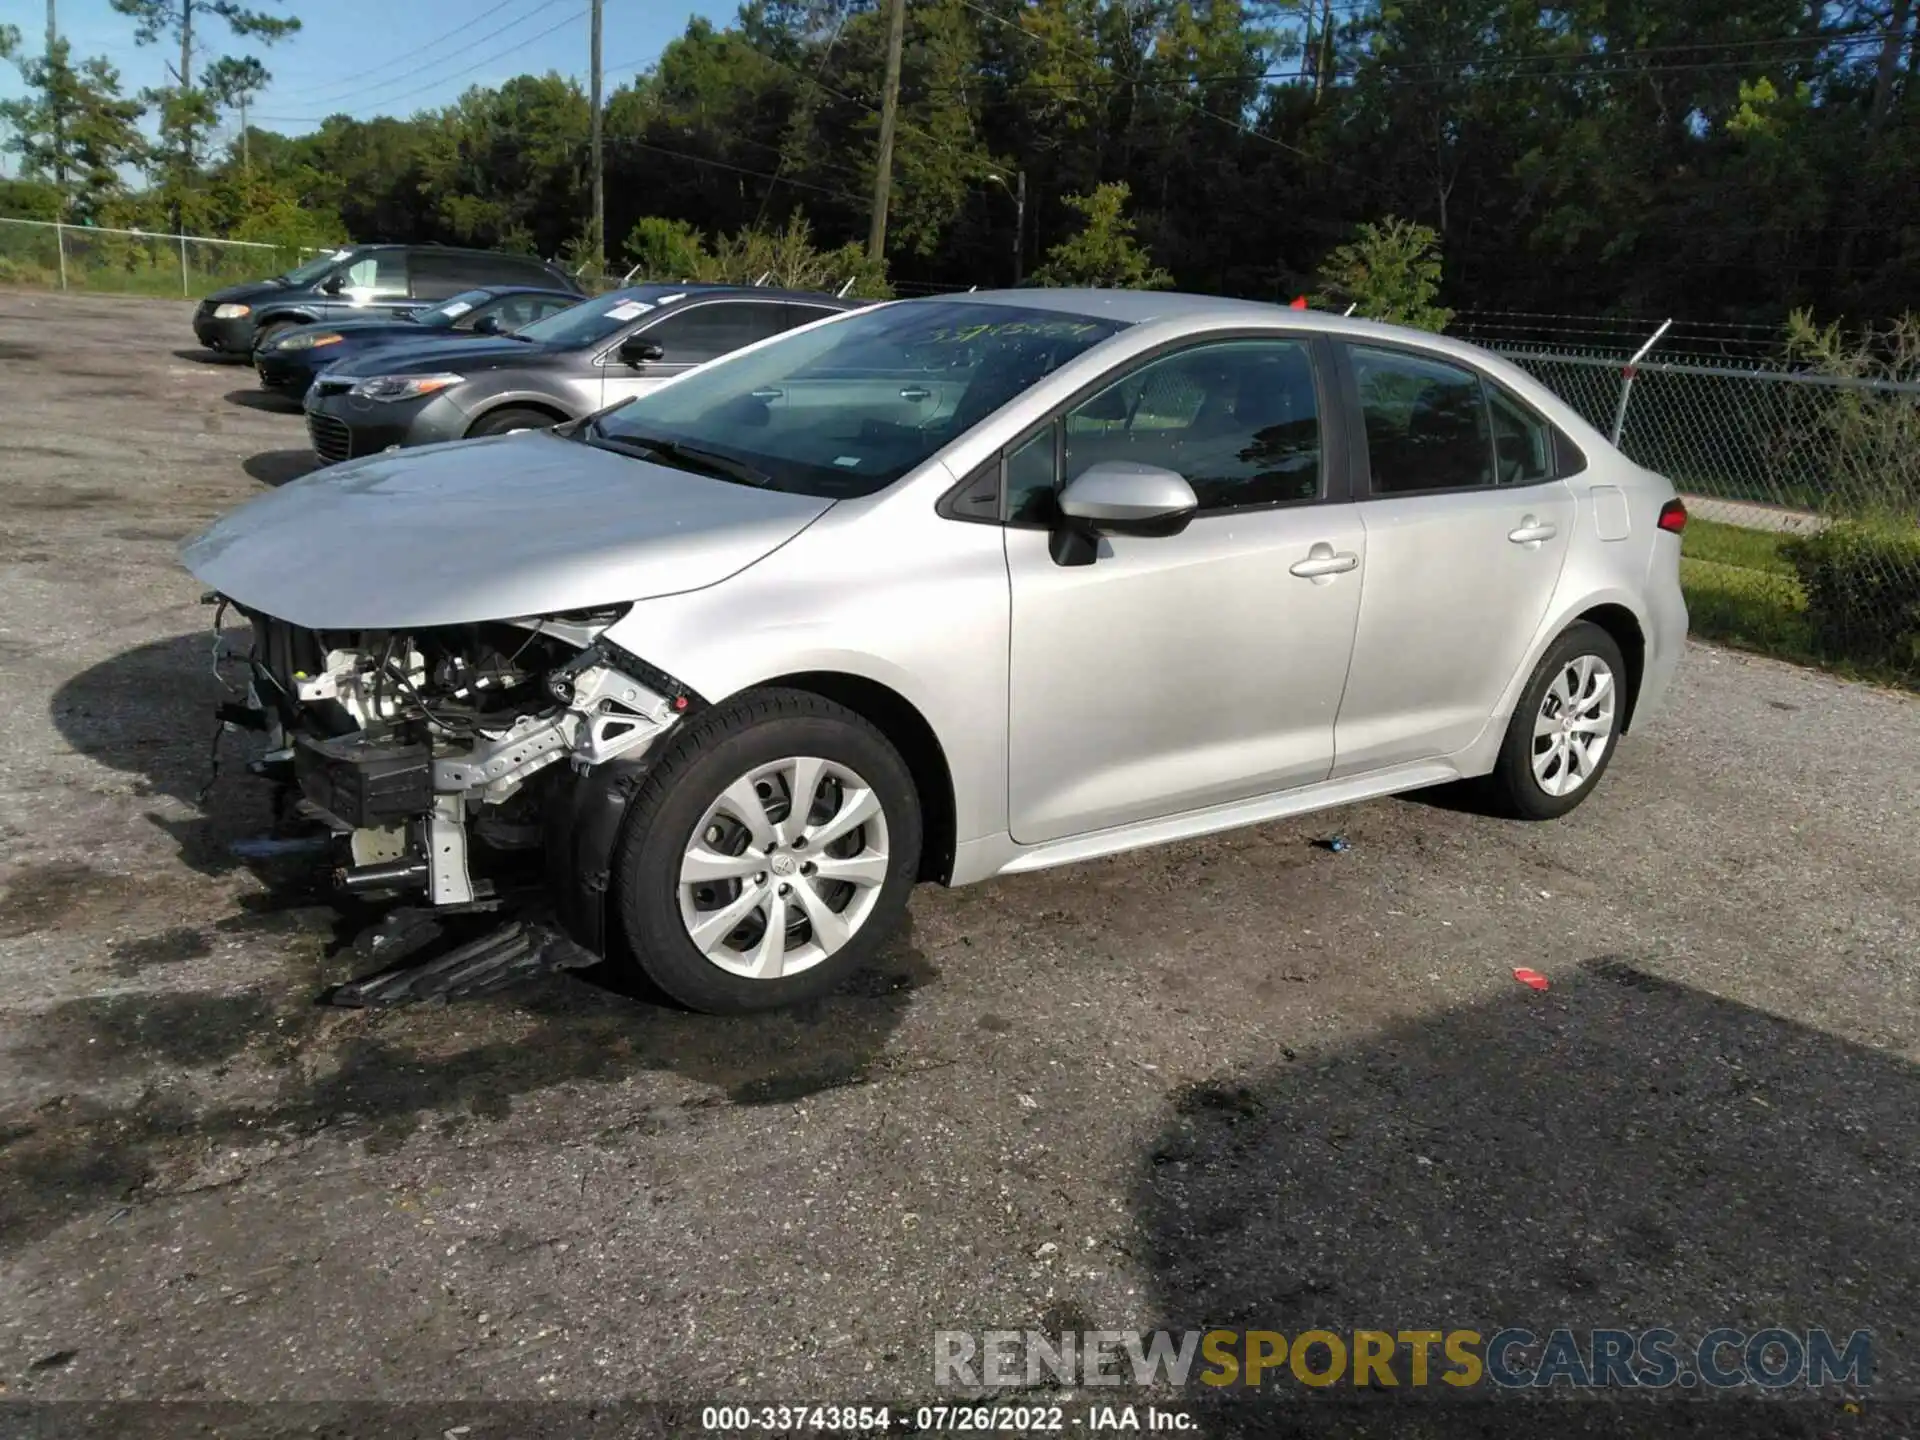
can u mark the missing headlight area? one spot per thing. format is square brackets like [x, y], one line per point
[433, 755]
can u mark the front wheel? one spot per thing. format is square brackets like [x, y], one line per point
[509, 419]
[1564, 729]
[769, 853]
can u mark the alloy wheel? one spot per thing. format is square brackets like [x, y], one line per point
[785, 866]
[1574, 725]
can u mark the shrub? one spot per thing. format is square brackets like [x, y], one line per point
[1388, 272]
[1862, 582]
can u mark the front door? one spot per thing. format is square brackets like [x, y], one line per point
[1467, 528]
[372, 287]
[688, 335]
[1197, 669]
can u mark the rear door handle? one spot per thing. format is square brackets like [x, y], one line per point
[1323, 563]
[1532, 531]
[769, 392]
[916, 394]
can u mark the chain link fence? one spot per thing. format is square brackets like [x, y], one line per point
[1809, 483]
[133, 262]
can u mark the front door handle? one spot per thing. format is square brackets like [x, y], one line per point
[916, 394]
[1323, 562]
[769, 392]
[1532, 531]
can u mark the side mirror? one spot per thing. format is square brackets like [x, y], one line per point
[488, 325]
[334, 284]
[638, 350]
[1119, 497]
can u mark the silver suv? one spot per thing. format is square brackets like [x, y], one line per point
[942, 590]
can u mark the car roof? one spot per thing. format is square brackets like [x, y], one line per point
[655, 292]
[1147, 307]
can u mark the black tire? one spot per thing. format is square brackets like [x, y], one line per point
[509, 418]
[269, 331]
[1512, 789]
[756, 728]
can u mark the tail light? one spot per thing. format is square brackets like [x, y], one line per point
[1673, 517]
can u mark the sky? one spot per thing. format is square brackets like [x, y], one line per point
[373, 57]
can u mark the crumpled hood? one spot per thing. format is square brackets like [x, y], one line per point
[490, 529]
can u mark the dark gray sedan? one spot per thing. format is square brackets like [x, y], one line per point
[583, 359]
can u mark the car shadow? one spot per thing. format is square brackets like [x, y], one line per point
[1619, 1151]
[277, 467]
[267, 400]
[205, 357]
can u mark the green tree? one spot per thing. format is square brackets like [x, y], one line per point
[1104, 254]
[231, 82]
[661, 249]
[1388, 272]
[186, 111]
[74, 130]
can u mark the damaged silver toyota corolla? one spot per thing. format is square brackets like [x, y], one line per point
[941, 590]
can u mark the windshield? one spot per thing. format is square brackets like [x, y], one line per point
[446, 312]
[846, 408]
[587, 322]
[311, 271]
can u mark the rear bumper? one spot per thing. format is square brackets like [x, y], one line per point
[1666, 628]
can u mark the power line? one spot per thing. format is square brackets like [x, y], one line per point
[411, 58]
[455, 54]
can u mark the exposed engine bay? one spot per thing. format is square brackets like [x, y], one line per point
[420, 750]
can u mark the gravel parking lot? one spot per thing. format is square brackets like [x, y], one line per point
[1244, 1082]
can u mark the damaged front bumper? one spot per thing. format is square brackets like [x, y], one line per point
[431, 756]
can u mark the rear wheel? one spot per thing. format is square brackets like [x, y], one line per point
[769, 853]
[1564, 729]
[510, 418]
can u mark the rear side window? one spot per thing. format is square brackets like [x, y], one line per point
[437, 276]
[1523, 449]
[706, 332]
[506, 270]
[1426, 421]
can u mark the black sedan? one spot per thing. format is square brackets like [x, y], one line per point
[289, 360]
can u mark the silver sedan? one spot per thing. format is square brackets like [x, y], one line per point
[942, 590]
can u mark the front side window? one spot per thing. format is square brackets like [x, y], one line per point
[1240, 420]
[1426, 423]
[706, 332]
[378, 276]
[847, 408]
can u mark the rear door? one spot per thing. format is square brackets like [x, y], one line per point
[688, 335]
[1468, 526]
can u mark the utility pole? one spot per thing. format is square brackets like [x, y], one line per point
[599, 157]
[53, 109]
[1019, 225]
[889, 114]
[246, 154]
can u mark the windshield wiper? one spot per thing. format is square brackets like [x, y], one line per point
[684, 457]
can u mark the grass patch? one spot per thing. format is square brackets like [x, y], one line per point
[1723, 544]
[1742, 591]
